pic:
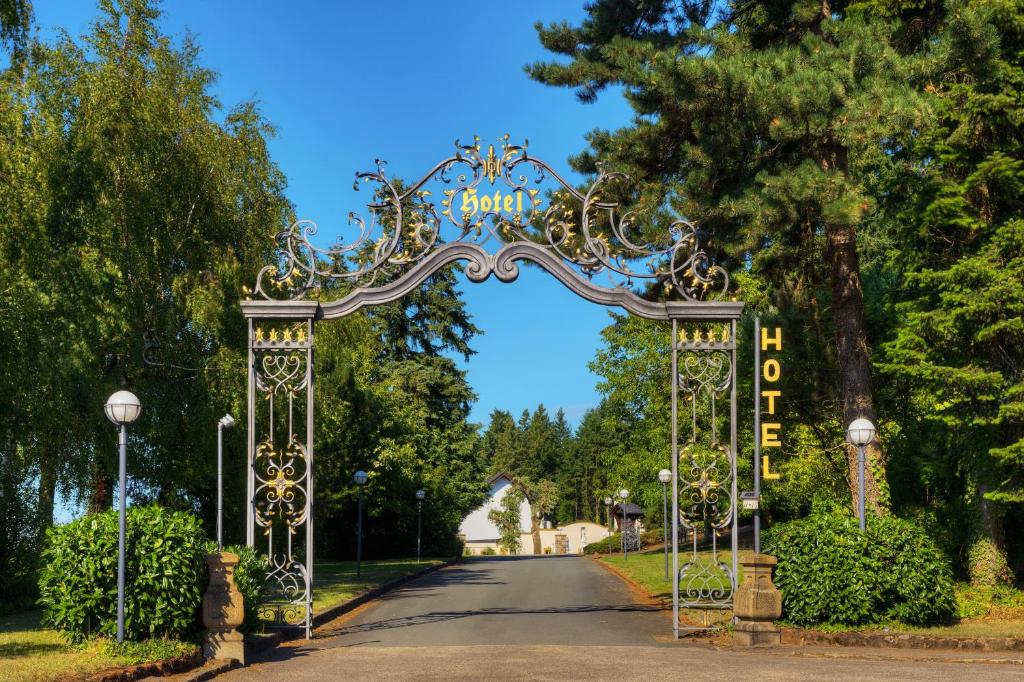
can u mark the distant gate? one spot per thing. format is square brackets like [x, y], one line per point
[491, 198]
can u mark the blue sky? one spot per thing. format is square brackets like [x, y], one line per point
[347, 83]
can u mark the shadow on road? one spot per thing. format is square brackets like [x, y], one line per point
[441, 616]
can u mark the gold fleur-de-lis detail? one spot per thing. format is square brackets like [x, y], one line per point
[682, 336]
[725, 334]
[257, 334]
[300, 335]
[287, 336]
[273, 335]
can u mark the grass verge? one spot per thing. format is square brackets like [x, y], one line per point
[335, 582]
[30, 652]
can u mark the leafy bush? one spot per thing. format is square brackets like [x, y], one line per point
[488, 551]
[164, 575]
[647, 538]
[830, 572]
[250, 579]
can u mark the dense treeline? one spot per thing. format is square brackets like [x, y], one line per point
[134, 209]
[858, 167]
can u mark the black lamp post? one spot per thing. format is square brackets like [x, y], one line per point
[664, 476]
[860, 432]
[608, 506]
[122, 409]
[420, 494]
[625, 550]
[360, 480]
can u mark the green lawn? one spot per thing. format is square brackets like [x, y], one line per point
[30, 652]
[649, 570]
[335, 581]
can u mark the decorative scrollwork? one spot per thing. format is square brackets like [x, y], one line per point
[707, 372]
[492, 196]
[281, 485]
[705, 493]
[705, 583]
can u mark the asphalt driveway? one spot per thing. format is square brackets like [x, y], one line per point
[543, 618]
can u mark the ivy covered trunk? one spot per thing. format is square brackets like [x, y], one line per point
[986, 556]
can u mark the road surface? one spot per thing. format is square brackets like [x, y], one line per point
[543, 618]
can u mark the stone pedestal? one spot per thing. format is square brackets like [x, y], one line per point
[223, 610]
[757, 604]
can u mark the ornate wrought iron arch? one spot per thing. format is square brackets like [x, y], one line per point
[521, 206]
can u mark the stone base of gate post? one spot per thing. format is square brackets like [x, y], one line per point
[757, 604]
[223, 610]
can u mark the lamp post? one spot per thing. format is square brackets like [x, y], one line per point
[225, 422]
[625, 551]
[360, 480]
[665, 476]
[608, 507]
[860, 432]
[420, 494]
[122, 408]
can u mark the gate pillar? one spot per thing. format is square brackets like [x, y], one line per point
[280, 455]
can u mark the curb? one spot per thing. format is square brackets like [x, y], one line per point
[169, 666]
[896, 640]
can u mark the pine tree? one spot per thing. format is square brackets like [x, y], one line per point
[763, 123]
[957, 343]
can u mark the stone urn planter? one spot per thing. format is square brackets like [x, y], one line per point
[223, 610]
[757, 604]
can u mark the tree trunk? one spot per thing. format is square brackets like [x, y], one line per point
[101, 498]
[47, 488]
[854, 365]
[535, 532]
[986, 556]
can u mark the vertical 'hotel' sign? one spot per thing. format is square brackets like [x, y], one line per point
[771, 371]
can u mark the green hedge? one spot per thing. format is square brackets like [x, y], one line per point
[647, 538]
[831, 572]
[164, 575]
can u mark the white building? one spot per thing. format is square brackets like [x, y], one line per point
[480, 533]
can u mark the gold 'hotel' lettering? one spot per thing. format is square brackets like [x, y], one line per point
[771, 371]
[472, 202]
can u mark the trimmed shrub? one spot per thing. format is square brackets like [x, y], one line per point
[251, 580]
[830, 572]
[164, 575]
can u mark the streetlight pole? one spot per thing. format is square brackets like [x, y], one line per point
[225, 422]
[420, 494]
[860, 433]
[608, 509]
[360, 480]
[122, 408]
[665, 476]
[625, 550]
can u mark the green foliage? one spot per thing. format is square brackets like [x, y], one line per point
[507, 519]
[647, 538]
[831, 572]
[19, 534]
[251, 579]
[155, 649]
[488, 551]
[164, 575]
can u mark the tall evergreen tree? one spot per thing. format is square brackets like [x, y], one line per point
[763, 123]
[957, 341]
